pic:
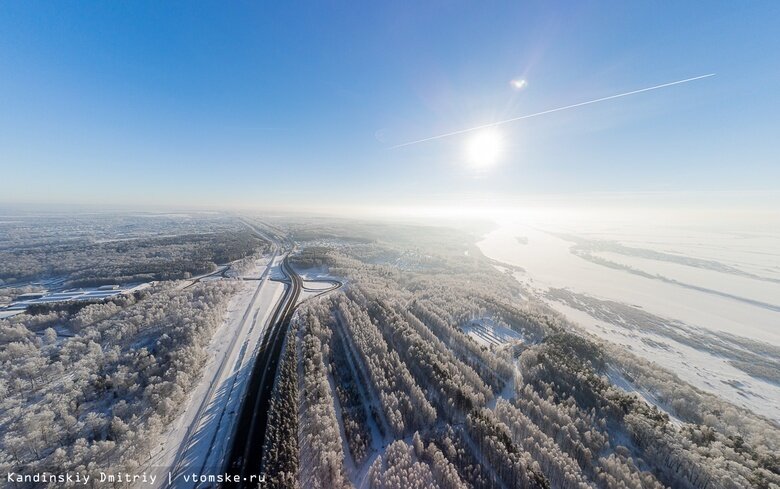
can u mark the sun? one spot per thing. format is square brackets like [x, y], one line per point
[484, 148]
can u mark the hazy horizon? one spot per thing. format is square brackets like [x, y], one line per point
[719, 210]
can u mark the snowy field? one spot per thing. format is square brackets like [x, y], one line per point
[317, 281]
[705, 303]
[489, 334]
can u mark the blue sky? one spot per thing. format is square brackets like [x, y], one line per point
[245, 103]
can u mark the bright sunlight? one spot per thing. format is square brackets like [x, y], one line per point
[484, 148]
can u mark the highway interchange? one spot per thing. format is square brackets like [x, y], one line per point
[227, 431]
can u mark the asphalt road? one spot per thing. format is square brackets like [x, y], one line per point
[247, 450]
[179, 458]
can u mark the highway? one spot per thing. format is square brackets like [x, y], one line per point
[192, 454]
[220, 372]
[245, 444]
[246, 452]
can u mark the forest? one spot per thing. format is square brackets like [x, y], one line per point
[385, 388]
[94, 389]
[99, 249]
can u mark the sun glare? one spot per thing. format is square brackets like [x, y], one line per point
[484, 148]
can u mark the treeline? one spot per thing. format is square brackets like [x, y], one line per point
[280, 462]
[413, 466]
[402, 402]
[115, 256]
[515, 467]
[352, 400]
[564, 369]
[691, 404]
[453, 386]
[322, 455]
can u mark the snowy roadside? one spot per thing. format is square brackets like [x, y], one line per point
[209, 407]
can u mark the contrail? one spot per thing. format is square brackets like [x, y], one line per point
[557, 109]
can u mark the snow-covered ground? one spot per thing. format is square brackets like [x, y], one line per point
[738, 286]
[720, 283]
[317, 286]
[549, 263]
[313, 273]
[317, 281]
[198, 441]
[487, 333]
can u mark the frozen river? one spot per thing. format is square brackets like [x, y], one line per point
[668, 293]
